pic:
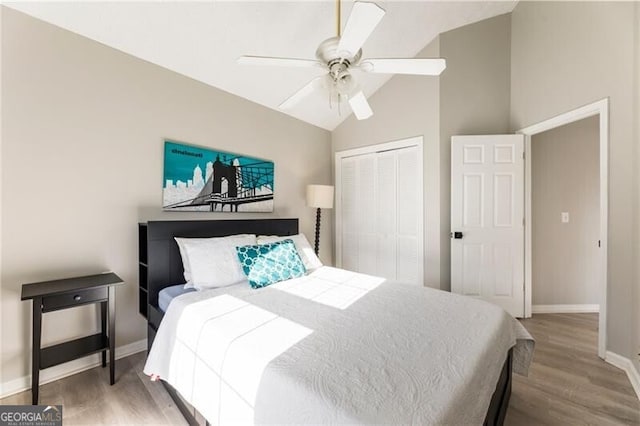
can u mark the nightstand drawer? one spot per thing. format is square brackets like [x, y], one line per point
[76, 298]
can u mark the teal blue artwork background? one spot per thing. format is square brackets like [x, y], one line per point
[179, 166]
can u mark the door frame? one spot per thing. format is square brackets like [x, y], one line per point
[600, 108]
[417, 141]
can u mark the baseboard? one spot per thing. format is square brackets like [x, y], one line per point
[67, 369]
[627, 366]
[564, 309]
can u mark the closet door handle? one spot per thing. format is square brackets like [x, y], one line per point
[457, 235]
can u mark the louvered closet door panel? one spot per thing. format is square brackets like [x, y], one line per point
[386, 214]
[349, 213]
[408, 241]
[380, 211]
[367, 232]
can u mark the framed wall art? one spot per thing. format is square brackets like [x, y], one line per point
[203, 179]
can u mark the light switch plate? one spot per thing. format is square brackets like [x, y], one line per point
[564, 216]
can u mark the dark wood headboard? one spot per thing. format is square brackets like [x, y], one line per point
[164, 264]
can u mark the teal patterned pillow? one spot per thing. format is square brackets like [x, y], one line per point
[270, 263]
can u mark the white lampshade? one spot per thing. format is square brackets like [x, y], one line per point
[320, 196]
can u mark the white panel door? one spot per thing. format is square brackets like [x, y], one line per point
[487, 219]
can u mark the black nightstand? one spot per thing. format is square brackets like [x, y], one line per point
[51, 296]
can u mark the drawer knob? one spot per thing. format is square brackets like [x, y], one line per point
[77, 297]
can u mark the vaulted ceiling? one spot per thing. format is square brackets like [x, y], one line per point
[202, 40]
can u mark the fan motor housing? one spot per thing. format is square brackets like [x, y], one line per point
[327, 53]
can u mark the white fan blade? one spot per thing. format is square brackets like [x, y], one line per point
[305, 91]
[278, 62]
[418, 66]
[361, 23]
[360, 106]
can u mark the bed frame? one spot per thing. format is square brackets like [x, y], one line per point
[161, 266]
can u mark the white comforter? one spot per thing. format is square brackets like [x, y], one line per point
[336, 347]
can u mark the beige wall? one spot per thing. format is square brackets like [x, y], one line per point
[566, 178]
[404, 107]
[82, 152]
[636, 113]
[568, 54]
[474, 100]
[1, 174]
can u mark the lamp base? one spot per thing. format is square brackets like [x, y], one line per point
[317, 245]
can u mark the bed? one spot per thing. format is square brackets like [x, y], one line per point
[334, 346]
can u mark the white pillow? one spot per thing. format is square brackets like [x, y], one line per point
[212, 262]
[185, 260]
[306, 253]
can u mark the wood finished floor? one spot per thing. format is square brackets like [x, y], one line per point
[87, 398]
[567, 385]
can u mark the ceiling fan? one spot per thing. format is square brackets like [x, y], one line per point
[341, 54]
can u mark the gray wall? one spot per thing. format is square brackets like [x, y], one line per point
[474, 100]
[404, 107]
[82, 152]
[636, 114]
[566, 178]
[568, 54]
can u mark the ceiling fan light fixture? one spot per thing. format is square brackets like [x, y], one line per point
[345, 84]
[327, 53]
[337, 55]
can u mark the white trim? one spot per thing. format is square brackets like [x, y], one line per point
[627, 366]
[380, 147]
[600, 108]
[564, 309]
[528, 234]
[67, 369]
[415, 141]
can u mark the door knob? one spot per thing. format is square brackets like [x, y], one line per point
[456, 235]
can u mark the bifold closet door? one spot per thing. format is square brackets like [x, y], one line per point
[386, 215]
[358, 218]
[381, 214]
[410, 217]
